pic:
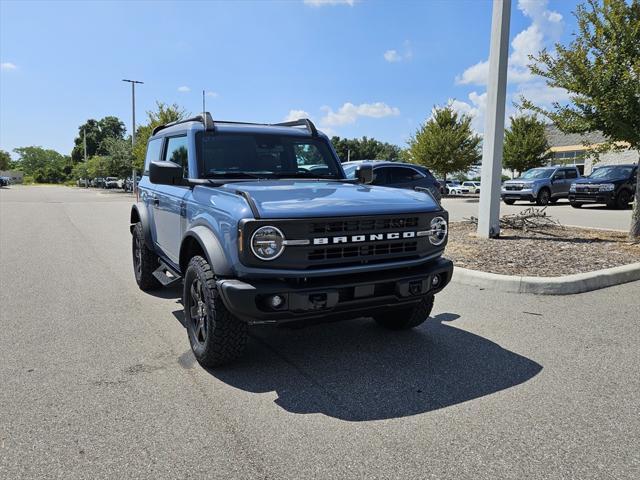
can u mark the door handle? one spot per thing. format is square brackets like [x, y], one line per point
[156, 202]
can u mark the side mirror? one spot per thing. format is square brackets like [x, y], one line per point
[165, 173]
[364, 173]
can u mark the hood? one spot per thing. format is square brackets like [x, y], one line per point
[598, 181]
[522, 180]
[301, 199]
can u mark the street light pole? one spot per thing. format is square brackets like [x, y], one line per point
[133, 127]
[489, 212]
[133, 109]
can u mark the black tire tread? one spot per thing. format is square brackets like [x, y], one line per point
[415, 316]
[228, 337]
[146, 281]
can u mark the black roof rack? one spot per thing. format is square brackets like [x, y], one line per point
[209, 124]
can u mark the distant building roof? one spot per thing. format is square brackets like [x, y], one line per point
[558, 139]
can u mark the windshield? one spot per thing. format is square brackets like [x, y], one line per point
[264, 156]
[538, 173]
[611, 172]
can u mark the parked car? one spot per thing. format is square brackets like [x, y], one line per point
[453, 187]
[262, 226]
[397, 175]
[128, 184]
[474, 187]
[612, 185]
[111, 182]
[5, 181]
[98, 182]
[542, 185]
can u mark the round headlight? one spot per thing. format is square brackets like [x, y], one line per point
[267, 243]
[439, 231]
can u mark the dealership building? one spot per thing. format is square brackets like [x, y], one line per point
[570, 149]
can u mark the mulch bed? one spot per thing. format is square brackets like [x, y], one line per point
[548, 252]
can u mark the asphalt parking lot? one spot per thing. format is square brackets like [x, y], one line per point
[98, 381]
[593, 216]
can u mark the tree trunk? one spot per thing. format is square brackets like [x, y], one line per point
[634, 232]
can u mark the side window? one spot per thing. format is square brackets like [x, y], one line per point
[403, 175]
[559, 175]
[381, 176]
[177, 152]
[571, 173]
[154, 148]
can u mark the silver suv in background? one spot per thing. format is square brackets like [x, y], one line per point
[542, 185]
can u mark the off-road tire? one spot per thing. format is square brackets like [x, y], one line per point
[225, 337]
[576, 204]
[146, 258]
[623, 199]
[406, 318]
[544, 196]
[508, 201]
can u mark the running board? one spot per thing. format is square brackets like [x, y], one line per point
[166, 275]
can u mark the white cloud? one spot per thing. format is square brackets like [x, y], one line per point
[322, 3]
[209, 94]
[392, 56]
[475, 108]
[541, 94]
[184, 89]
[7, 66]
[349, 113]
[546, 27]
[296, 115]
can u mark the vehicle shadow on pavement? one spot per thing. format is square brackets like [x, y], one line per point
[357, 371]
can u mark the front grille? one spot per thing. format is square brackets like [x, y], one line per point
[361, 225]
[341, 242]
[513, 187]
[587, 189]
[362, 251]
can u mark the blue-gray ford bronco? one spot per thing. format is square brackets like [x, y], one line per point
[262, 225]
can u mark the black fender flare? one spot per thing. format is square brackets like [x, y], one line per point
[211, 247]
[139, 214]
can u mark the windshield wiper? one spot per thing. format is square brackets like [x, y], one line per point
[302, 175]
[231, 175]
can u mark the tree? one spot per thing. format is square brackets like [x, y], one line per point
[600, 69]
[365, 149]
[162, 115]
[119, 159]
[525, 144]
[5, 160]
[43, 165]
[97, 132]
[445, 143]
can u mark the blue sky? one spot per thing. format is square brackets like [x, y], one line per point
[373, 68]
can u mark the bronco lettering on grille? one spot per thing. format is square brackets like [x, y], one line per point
[363, 238]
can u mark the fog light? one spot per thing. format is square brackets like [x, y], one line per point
[435, 280]
[276, 301]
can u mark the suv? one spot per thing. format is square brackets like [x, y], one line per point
[263, 226]
[474, 187]
[613, 185]
[542, 185]
[111, 182]
[397, 174]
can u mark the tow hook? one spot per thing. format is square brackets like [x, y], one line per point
[318, 300]
[415, 288]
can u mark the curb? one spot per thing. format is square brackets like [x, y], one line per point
[565, 285]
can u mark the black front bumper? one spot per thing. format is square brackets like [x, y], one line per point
[516, 195]
[354, 295]
[588, 197]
